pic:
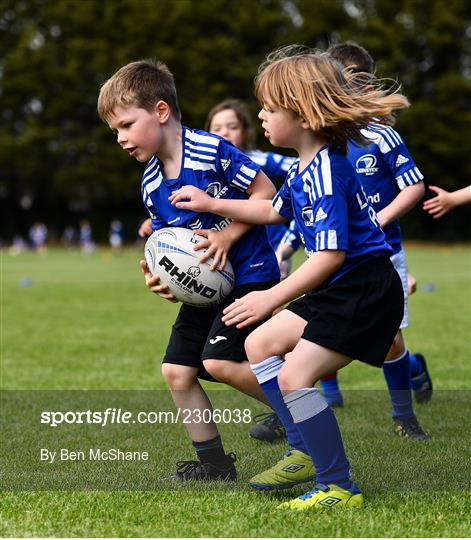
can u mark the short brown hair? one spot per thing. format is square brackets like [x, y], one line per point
[351, 54]
[243, 115]
[141, 84]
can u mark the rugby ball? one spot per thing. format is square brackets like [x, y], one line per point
[169, 254]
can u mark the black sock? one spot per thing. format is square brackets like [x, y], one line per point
[211, 451]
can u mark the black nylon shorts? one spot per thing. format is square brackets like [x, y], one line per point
[199, 334]
[358, 315]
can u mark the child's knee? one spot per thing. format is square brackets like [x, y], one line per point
[259, 347]
[290, 378]
[252, 348]
[178, 377]
[219, 369]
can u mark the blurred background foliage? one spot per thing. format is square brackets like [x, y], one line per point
[59, 163]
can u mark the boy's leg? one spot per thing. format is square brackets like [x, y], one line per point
[225, 359]
[240, 376]
[396, 371]
[236, 374]
[296, 466]
[316, 422]
[181, 367]
[187, 393]
[395, 367]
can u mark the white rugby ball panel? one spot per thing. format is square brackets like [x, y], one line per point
[169, 254]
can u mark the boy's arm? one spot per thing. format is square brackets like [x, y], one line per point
[405, 201]
[219, 243]
[444, 201]
[255, 211]
[258, 304]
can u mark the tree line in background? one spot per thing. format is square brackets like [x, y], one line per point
[59, 163]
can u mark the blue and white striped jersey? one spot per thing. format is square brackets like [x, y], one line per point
[331, 210]
[275, 166]
[217, 167]
[384, 167]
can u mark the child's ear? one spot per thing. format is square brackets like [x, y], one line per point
[305, 123]
[162, 110]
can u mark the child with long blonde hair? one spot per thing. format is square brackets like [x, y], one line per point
[345, 300]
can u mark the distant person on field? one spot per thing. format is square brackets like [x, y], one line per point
[38, 237]
[68, 237]
[445, 201]
[87, 245]
[139, 103]
[116, 235]
[18, 245]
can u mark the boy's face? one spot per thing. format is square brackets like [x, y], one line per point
[138, 131]
[281, 126]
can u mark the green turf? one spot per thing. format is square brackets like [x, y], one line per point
[89, 323]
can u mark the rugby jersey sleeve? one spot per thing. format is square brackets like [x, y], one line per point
[397, 157]
[282, 202]
[151, 180]
[233, 166]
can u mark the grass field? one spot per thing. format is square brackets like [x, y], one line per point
[88, 323]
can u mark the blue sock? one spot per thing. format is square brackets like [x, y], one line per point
[318, 426]
[267, 376]
[330, 384]
[415, 366]
[331, 391]
[397, 375]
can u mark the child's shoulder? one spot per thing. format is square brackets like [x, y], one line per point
[383, 136]
[337, 167]
[336, 160]
[199, 136]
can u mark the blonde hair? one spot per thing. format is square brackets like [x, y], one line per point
[139, 84]
[336, 102]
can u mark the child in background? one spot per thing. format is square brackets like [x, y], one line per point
[87, 245]
[346, 299]
[38, 237]
[393, 185]
[115, 236]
